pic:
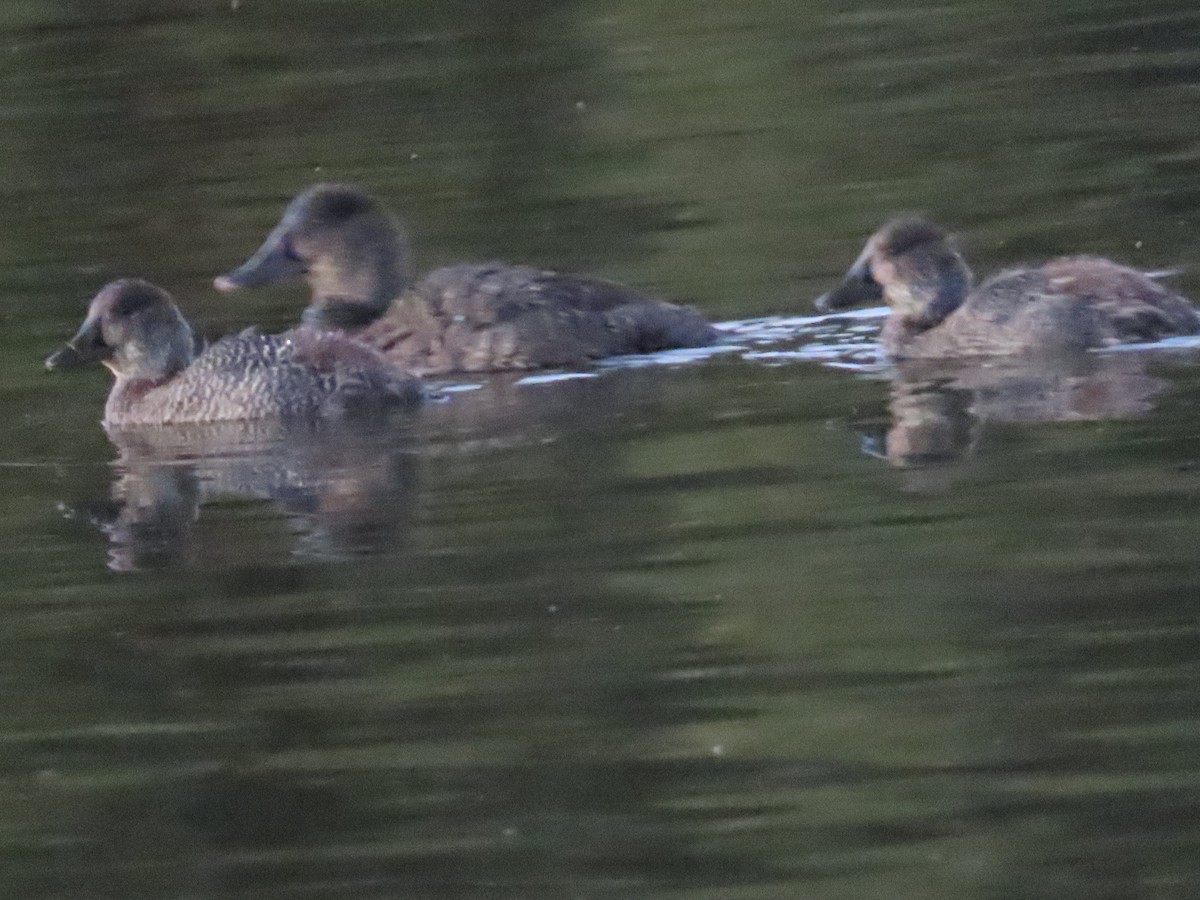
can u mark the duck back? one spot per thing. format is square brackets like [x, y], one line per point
[478, 317]
[1135, 306]
[1067, 305]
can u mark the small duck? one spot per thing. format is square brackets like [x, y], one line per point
[164, 375]
[1068, 304]
[471, 317]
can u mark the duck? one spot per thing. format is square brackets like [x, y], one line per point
[466, 317]
[1068, 304]
[164, 374]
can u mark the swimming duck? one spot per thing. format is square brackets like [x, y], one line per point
[471, 317]
[1067, 304]
[165, 376]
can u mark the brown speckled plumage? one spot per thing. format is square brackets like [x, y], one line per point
[138, 333]
[472, 317]
[1068, 304]
[490, 316]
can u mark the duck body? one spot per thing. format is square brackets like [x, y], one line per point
[482, 317]
[1066, 305]
[297, 375]
[470, 317]
[162, 378]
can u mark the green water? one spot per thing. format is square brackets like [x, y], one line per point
[741, 628]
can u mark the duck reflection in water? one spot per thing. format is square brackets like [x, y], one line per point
[1012, 349]
[937, 411]
[342, 489]
[343, 492]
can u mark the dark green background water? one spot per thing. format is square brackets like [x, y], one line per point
[664, 633]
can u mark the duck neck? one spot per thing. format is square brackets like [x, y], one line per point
[126, 395]
[357, 281]
[140, 366]
[942, 296]
[343, 315]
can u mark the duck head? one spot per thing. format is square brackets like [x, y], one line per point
[911, 265]
[343, 243]
[133, 328]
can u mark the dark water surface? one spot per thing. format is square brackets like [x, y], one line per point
[751, 626]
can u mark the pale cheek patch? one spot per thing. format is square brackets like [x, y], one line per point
[884, 271]
[900, 298]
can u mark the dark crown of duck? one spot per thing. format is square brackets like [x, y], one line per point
[350, 251]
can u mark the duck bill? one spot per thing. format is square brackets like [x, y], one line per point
[273, 261]
[858, 287]
[86, 347]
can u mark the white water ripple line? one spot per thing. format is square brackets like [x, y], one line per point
[551, 377]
